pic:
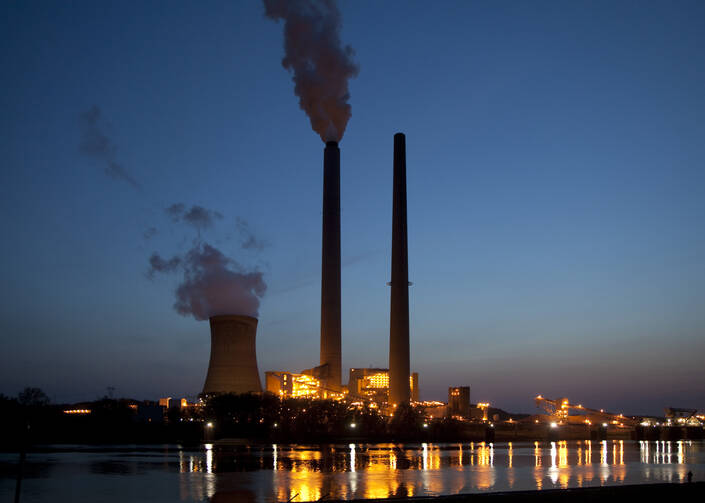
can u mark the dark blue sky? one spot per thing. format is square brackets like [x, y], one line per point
[556, 183]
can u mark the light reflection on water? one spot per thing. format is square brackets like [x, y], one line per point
[278, 472]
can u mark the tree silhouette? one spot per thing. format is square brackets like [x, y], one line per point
[32, 397]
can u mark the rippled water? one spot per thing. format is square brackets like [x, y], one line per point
[267, 473]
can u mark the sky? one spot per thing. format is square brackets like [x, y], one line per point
[556, 195]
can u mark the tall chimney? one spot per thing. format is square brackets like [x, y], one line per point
[399, 366]
[233, 364]
[330, 274]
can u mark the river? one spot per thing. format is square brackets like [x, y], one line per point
[271, 472]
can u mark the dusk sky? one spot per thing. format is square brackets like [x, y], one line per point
[556, 195]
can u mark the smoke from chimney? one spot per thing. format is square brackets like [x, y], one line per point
[321, 66]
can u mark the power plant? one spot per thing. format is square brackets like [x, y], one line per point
[233, 363]
[392, 386]
[233, 360]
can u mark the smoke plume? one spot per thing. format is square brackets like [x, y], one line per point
[215, 284]
[158, 264]
[150, 232]
[211, 283]
[198, 216]
[321, 66]
[249, 240]
[96, 144]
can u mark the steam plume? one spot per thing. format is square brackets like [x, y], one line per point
[198, 216]
[215, 284]
[158, 264]
[150, 232]
[321, 67]
[211, 282]
[95, 143]
[249, 240]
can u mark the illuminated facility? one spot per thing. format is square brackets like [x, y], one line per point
[558, 413]
[367, 384]
[373, 384]
[293, 385]
[459, 401]
[394, 385]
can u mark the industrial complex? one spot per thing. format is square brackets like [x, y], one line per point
[233, 362]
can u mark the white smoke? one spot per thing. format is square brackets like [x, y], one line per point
[215, 284]
[211, 283]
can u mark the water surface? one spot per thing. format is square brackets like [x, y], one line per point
[269, 473]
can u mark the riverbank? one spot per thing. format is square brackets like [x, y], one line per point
[643, 492]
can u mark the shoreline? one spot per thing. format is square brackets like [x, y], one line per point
[614, 493]
[236, 444]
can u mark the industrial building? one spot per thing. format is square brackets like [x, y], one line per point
[459, 401]
[302, 385]
[373, 384]
[368, 384]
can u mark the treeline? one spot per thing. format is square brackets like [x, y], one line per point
[30, 419]
[268, 417]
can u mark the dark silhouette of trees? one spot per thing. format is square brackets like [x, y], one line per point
[406, 423]
[32, 397]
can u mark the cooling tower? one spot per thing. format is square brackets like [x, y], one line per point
[399, 366]
[233, 363]
[331, 359]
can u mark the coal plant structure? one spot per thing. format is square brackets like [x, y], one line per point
[330, 370]
[399, 360]
[233, 363]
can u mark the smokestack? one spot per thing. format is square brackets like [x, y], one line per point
[330, 273]
[399, 366]
[233, 363]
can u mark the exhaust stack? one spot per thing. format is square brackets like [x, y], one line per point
[233, 363]
[331, 359]
[399, 365]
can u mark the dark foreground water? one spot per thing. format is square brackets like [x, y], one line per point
[268, 473]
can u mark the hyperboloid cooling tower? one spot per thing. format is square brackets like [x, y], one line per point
[399, 365]
[331, 360]
[233, 363]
